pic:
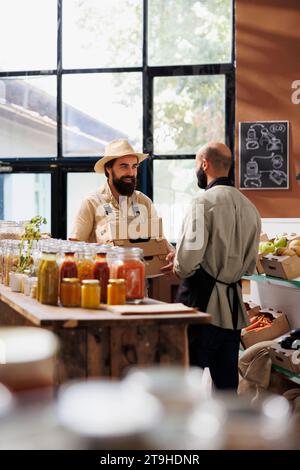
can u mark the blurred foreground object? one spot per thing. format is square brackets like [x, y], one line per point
[180, 391]
[6, 401]
[107, 414]
[27, 358]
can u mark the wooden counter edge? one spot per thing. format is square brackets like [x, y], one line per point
[69, 321]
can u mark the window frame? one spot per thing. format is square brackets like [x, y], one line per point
[59, 166]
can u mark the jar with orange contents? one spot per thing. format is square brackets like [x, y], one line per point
[84, 263]
[70, 292]
[128, 265]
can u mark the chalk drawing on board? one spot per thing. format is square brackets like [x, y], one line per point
[264, 155]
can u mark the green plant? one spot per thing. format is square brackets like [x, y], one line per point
[31, 232]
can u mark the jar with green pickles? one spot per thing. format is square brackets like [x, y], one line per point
[48, 279]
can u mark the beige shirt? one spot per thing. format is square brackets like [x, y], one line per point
[92, 213]
[228, 228]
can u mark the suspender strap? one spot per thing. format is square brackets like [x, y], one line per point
[108, 209]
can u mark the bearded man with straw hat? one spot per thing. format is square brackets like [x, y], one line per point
[120, 165]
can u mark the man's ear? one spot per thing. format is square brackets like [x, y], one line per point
[205, 164]
[109, 171]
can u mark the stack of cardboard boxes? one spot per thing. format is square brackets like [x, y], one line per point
[147, 234]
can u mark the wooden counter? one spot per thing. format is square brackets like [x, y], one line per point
[101, 343]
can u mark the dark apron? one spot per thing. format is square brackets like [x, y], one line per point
[195, 291]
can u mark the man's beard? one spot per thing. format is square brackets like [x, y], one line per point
[202, 178]
[124, 188]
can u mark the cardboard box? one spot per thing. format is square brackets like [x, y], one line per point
[292, 236]
[134, 232]
[253, 309]
[263, 237]
[286, 358]
[130, 228]
[285, 267]
[152, 247]
[153, 265]
[259, 266]
[154, 252]
[279, 326]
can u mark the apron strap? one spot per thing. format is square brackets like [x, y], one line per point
[135, 207]
[234, 306]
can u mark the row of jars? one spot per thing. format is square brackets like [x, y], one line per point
[113, 275]
[65, 267]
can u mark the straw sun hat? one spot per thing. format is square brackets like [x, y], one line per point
[115, 149]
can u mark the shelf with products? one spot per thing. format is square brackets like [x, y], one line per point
[274, 280]
[276, 293]
[281, 295]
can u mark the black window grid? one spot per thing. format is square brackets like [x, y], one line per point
[59, 166]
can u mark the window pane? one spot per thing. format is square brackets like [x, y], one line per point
[79, 186]
[188, 112]
[99, 108]
[28, 35]
[102, 33]
[189, 32]
[28, 117]
[23, 196]
[175, 184]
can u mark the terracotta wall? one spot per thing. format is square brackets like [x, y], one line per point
[268, 61]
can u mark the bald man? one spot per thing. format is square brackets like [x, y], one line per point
[217, 246]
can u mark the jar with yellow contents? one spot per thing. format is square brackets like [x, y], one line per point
[90, 293]
[116, 292]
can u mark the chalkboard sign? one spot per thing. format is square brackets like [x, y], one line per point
[264, 155]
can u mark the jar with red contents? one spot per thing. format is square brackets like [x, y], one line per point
[68, 268]
[101, 269]
[127, 264]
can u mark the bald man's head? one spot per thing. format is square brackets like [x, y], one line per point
[218, 155]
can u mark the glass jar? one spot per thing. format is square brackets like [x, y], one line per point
[68, 268]
[48, 279]
[85, 264]
[127, 264]
[11, 259]
[10, 230]
[90, 293]
[116, 292]
[101, 270]
[70, 292]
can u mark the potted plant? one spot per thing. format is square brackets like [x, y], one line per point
[31, 233]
